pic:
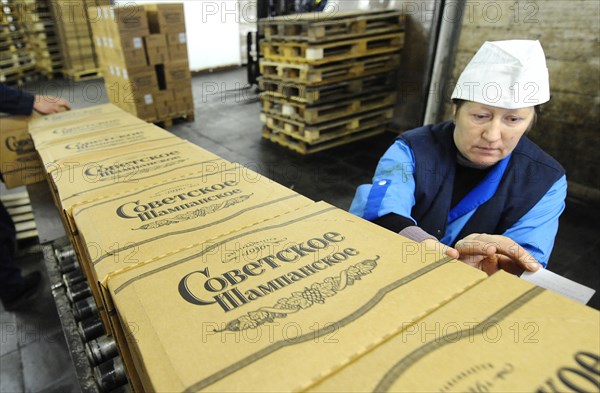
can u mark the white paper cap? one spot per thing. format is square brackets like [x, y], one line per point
[507, 74]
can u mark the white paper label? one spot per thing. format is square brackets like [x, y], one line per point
[110, 43]
[148, 99]
[314, 53]
[559, 284]
[125, 74]
[137, 43]
[105, 40]
[112, 69]
[182, 38]
[98, 41]
[118, 71]
[288, 110]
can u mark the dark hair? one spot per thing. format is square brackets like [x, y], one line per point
[537, 109]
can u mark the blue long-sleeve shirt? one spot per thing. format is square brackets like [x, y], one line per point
[15, 101]
[535, 231]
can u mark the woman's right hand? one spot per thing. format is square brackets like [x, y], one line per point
[491, 253]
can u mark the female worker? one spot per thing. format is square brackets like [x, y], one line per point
[477, 183]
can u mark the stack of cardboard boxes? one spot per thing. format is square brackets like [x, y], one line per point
[142, 50]
[73, 27]
[19, 162]
[212, 277]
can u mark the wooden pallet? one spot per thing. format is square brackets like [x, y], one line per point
[84, 75]
[323, 113]
[311, 75]
[331, 26]
[326, 93]
[19, 208]
[305, 148]
[330, 130]
[324, 53]
[168, 122]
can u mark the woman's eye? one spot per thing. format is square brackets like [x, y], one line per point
[480, 117]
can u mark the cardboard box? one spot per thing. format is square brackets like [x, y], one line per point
[107, 140]
[165, 104]
[141, 78]
[178, 75]
[45, 130]
[95, 175]
[133, 91]
[276, 306]
[166, 214]
[177, 46]
[128, 19]
[73, 116]
[156, 49]
[19, 162]
[145, 105]
[184, 99]
[92, 176]
[128, 51]
[163, 18]
[502, 335]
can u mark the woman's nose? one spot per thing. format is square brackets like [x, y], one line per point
[492, 131]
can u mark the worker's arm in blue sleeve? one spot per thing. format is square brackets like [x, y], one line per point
[15, 101]
[390, 199]
[536, 230]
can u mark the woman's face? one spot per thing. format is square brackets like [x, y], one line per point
[486, 134]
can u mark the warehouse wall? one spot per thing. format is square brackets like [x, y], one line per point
[569, 33]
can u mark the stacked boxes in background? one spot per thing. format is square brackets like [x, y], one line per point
[328, 78]
[73, 27]
[143, 53]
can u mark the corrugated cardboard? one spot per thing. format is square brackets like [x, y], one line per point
[110, 139]
[87, 177]
[92, 176]
[165, 104]
[166, 214]
[126, 51]
[45, 131]
[178, 75]
[19, 162]
[177, 44]
[502, 335]
[156, 49]
[278, 305]
[163, 18]
[73, 116]
[127, 19]
[184, 99]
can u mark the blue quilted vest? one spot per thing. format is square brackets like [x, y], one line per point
[529, 175]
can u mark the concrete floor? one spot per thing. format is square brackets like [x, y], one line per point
[34, 357]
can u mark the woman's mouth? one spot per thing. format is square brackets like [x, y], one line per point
[486, 150]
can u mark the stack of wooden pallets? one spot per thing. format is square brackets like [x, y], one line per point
[42, 36]
[17, 63]
[18, 206]
[73, 26]
[328, 78]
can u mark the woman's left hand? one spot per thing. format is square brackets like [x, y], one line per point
[491, 253]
